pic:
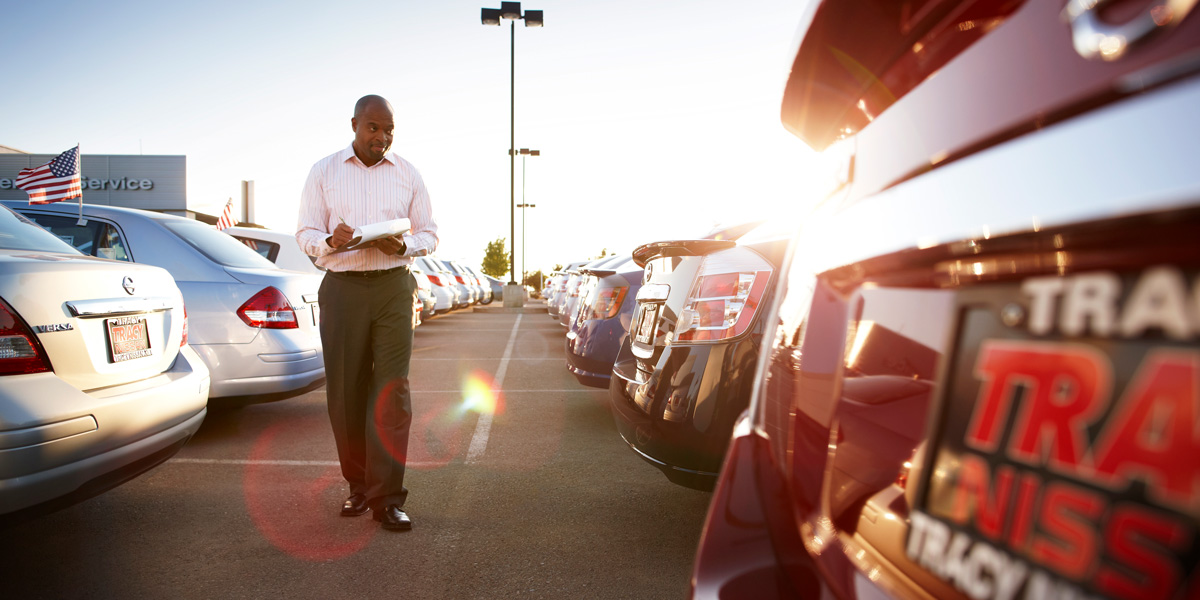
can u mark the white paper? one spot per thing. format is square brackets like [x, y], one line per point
[369, 233]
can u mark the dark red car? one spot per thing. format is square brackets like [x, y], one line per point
[981, 376]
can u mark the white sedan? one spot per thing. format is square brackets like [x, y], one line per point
[279, 247]
[254, 325]
[97, 381]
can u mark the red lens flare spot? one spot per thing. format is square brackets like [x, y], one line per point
[295, 506]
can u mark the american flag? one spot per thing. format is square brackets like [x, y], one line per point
[54, 181]
[227, 219]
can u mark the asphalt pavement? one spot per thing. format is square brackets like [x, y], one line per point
[527, 492]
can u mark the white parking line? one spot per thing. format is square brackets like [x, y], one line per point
[509, 392]
[478, 440]
[235, 461]
[484, 427]
[466, 358]
[274, 463]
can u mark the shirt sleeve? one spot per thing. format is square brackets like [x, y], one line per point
[313, 225]
[422, 239]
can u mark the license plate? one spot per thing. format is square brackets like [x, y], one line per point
[1063, 465]
[128, 338]
[646, 324]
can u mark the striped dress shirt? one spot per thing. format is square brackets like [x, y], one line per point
[341, 188]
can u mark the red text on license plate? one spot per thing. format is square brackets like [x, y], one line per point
[128, 338]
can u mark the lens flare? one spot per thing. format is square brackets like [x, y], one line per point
[479, 397]
[437, 432]
[295, 507]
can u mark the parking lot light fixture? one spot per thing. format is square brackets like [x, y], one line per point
[511, 11]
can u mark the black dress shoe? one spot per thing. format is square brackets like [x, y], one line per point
[393, 518]
[355, 505]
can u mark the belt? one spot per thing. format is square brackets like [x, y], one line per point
[370, 274]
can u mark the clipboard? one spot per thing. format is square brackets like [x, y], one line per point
[368, 233]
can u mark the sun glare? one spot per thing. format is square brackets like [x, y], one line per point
[478, 395]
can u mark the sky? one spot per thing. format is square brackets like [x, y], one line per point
[655, 120]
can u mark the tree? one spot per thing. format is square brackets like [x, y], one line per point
[495, 260]
[534, 280]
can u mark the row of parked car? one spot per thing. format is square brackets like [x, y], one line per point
[972, 370]
[673, 324]
[120, 327]
[443, 285]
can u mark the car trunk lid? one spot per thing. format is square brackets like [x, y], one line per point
[100, 323]
[300, 289]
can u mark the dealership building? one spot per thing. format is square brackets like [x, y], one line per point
[148, 182]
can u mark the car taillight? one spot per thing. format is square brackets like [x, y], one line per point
[726, 294]
[902, 478]
[20, 352]
[434, 280]
[270, 309]
[183, 340]
[608, 302]
[460, 279]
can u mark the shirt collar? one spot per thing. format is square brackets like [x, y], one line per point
[348, 154]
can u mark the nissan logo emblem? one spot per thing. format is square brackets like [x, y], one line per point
[127, 283]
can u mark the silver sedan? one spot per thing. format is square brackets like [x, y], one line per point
[253, 324]
[97, 381]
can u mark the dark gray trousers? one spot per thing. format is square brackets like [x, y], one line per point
[366, 332]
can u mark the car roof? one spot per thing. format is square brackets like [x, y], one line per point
[260, 233]
[99, 210]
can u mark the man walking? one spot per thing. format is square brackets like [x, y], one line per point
[366, 302]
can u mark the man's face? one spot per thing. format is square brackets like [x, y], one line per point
[372, 133]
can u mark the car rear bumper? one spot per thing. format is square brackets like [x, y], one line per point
[88, 442]
[276, 386]
[589, 378]
[250, 369]
[592, 349]
[680, 416]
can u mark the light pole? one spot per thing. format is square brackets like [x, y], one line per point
[533, 18]
[524, 152]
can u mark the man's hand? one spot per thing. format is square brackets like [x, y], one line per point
[341, 235]
[390, 245]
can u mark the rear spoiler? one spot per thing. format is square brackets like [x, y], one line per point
[598, 272]
[648, 252]
[858, 57]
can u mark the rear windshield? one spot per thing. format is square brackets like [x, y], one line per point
[219, 247]
[430, 266]
[19, 233]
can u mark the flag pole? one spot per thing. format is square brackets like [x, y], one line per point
[79, 155]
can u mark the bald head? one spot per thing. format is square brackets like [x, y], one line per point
[369, 101]
[372, 125]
